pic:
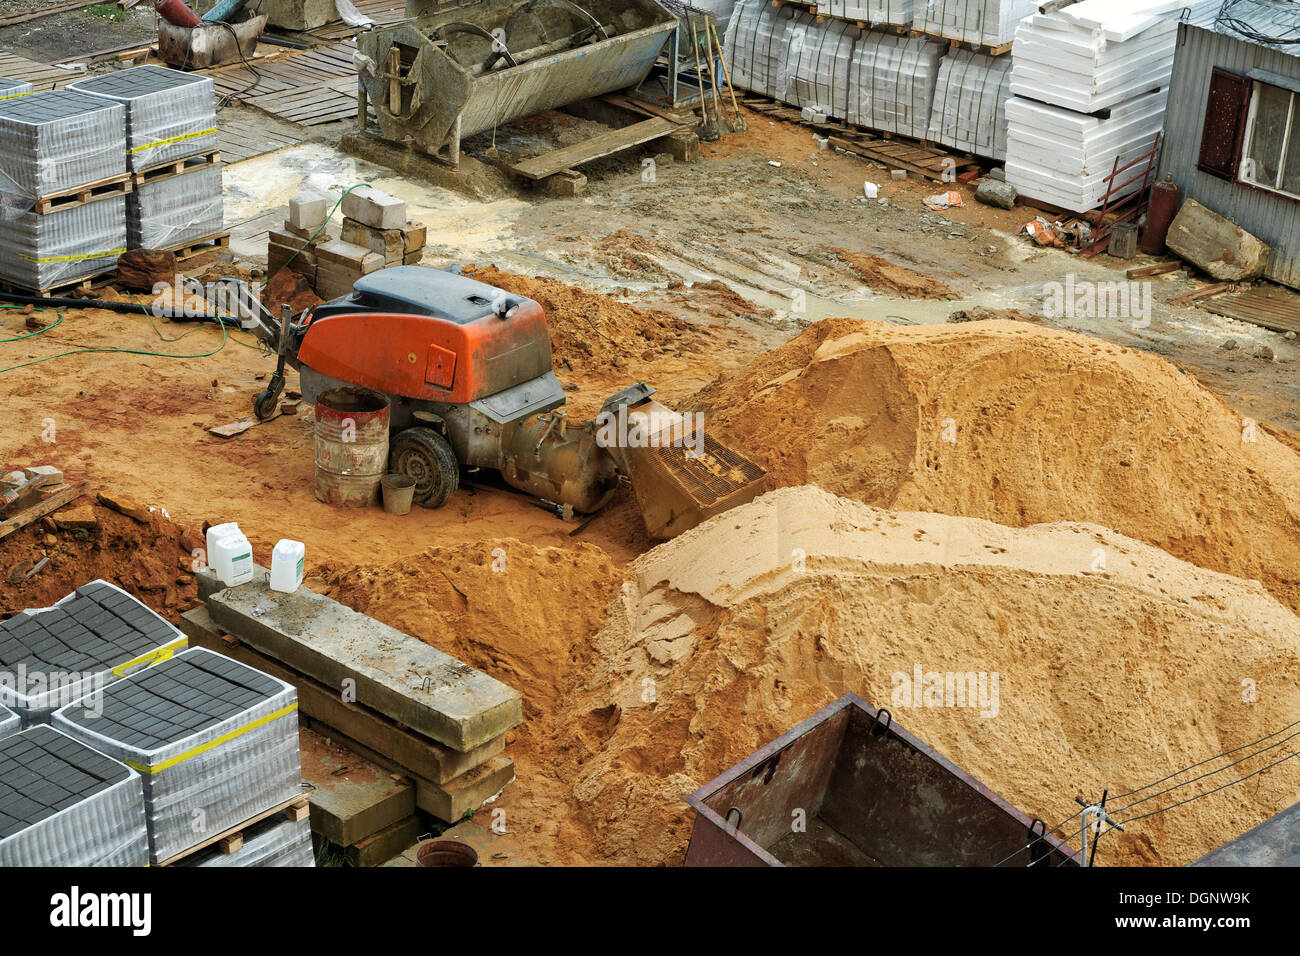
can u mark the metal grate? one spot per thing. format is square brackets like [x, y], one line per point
[711, 476]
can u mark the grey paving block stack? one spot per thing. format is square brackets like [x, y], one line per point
[175, 211]
[9, 722]
[54, 656]
[970, 103]
[64, 804]
[271, 842]
[170, 115]
[43, 251]
[216, 742]
[12, 88]
[57, 140]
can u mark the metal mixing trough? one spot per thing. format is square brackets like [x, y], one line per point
[441, 77]
[867, 793]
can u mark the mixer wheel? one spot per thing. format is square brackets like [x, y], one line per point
[426, 456]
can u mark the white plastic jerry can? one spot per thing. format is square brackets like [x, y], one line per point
[286, 565]
[231, 557]
[215, 534]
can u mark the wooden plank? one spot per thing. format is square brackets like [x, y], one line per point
[601, 145]
[1159, 269]
[1268, 312]
[35, 512]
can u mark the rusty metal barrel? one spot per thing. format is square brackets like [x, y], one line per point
[351, 446]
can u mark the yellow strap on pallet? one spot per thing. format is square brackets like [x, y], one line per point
[204, 748]
[79, 258]
[161, 654]
[14, 96]
[173, 139]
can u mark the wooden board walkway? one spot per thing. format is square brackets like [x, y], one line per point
[1278, 312]
[599, 146]
[308, 88]
[43, 76]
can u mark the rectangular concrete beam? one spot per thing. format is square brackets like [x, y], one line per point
[381, 668]
[416, 755]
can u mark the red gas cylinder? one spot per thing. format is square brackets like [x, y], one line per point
[1160, 213]
[177, 13]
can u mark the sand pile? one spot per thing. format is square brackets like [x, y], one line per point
[519, 612]
[1019, 424]
[745, 626]
[592, 331]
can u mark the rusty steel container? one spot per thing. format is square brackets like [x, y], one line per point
[351, 446]
[1161, 210]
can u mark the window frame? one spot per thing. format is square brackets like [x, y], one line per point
[1247, 140]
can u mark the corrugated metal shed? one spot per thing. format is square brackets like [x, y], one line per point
[1204, 42]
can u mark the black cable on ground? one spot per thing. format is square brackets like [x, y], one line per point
[130, 308]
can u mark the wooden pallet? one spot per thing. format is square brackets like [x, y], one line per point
[118, 185]
[218, 240]
[190, 164]
[232, 840]
[65, 289]
[955, 43]
[888, 149]
[601, 145]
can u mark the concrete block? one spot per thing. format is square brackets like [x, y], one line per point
[413, 258]
[451, 800]
[994, 192]
[298, 15]
[389, 243]
[349, 255]
[1216, 244]
[48, 474]
[354, 799]
[390, 672]
[348, 723]
[387, 843]
[307, 210]
[683, 145]
[566, 183]
[414, 235]
[375, 208]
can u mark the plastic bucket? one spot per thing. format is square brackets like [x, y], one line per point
[446, 853]
[398, 492]
[351, 446]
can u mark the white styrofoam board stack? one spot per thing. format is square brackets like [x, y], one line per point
[892, 82]
[970, 98]
[175, 211]
[757, 46]
[216, 742]
[895, 12]
[820, 58]
[1094, 54]
[992, 22]
[1063, 157]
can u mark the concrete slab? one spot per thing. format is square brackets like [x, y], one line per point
[415, 754]
[374, 850]
[452, 800]
[352, 798]
[390, 672]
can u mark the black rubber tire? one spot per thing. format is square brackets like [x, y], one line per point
[264, 404]
[426, 456]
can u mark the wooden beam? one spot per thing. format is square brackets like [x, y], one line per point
[599, 146]
[35, 512]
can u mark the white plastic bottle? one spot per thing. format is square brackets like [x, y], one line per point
[216, 533]
[231, 557]
[286, 565]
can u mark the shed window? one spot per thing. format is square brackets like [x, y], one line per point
[1271, 155]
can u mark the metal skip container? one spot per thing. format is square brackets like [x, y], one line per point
[441, 77]
[351, 446]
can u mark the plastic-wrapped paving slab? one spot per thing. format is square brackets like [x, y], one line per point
[216, 742]
[40, 252]
[176, 211]
[271, 842]
[12, 88]
[65, 804]
[57, 140]
[9, 722]
[170, 115]
[51, 657]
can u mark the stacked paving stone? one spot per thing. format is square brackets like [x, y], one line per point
[417, 712]
[91, 638]
[271, 842]
[215, 741]
[821, 55]
[970, 98]
[10, 89]
[988, 22]
[64, 804]
[376, 234]
[892, 82]
[757, 46]
[171, 122]
[892, 12]
[52, 143]
[9, 722]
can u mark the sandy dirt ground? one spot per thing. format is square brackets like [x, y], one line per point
[688, 280]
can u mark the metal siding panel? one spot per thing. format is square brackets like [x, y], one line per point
[1272, 219]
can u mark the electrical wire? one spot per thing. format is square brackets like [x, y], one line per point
[1230, 783]
[41, 331]
[144, 352]
[1227, 20]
